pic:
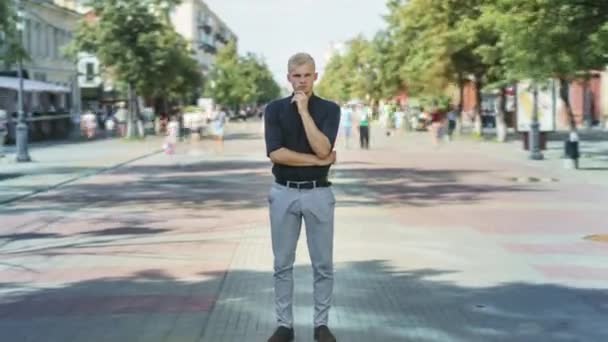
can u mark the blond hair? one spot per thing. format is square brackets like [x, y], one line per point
[300, 58]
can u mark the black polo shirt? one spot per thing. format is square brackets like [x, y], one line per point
[284, 128]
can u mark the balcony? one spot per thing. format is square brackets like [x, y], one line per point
[220, 36]
[206, 25]
[207, 47]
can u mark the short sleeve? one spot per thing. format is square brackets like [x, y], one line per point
[272, 130]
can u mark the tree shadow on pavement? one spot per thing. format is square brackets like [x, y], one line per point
[243, 136]
[235, 185]
[53, 236]
[28, 236]
[373, 302]
[125, 231]
[419, 187]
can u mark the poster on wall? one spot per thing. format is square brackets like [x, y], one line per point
[548, 105]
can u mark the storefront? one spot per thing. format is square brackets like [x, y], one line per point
[47, 107]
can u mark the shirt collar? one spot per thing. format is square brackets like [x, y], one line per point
[312, 96]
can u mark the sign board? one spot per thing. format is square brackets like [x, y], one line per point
[548, 106]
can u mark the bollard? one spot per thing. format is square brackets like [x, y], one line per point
[3, 131]
[571, 151]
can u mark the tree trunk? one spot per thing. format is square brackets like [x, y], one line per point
[478, 110]
[461, 101]
[131, 113]
[565, 96]
[501, 125]
[139, 117]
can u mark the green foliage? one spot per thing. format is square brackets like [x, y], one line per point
[136, 43]
[430, 45]
[10, 49]
[550, 38]
[335, 83]
[235, 81]
[356, 74]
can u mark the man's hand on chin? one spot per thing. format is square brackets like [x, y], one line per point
[301, 100]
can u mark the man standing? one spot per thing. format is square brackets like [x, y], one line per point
[300, 135]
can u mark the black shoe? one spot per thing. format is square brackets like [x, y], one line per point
[323, 334]
[282, 334]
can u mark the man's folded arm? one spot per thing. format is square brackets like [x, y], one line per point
[284, 156]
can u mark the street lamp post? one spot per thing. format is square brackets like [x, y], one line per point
[534, 136]
[22, 129]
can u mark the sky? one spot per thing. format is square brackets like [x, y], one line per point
[277, 29]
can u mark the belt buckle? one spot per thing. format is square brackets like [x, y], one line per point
[299, 184]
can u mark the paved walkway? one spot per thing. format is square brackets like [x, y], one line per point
[432, 244]
[63, 162]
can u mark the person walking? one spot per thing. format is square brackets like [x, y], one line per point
[452, 120]
[219, 122]
[172, 135]
[436, 118]
[346, 124]
[300, 132]
[363, 114]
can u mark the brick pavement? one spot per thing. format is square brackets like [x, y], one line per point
[63, 162]
[431, 245]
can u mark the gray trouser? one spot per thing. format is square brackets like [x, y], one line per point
[287, 208]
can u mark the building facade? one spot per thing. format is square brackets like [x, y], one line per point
[203, 29]
[48, 29]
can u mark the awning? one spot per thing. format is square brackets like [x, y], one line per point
[32, 86]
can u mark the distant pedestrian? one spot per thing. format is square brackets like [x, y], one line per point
[363, 114]
[437, 117]
[399, 119]
[452, 119]
[121, 119]
[172, 135]
[346, 124]
[90, 124]
[218, 125]
[109, 126]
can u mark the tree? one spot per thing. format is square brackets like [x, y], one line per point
[544, 39]
[437, 48]
[266, 86]
[226, 85]
[355, 74]
[235, 81]
[386, 60]
[135, 40]
[334, 83]
[180, 74]
[6, 19]
[10, 48]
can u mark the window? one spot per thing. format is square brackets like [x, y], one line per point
[40, 76]
[90, 73]
[27, 36]
[56, 42]
[37, 40]
[47, 43]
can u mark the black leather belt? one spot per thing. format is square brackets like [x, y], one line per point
[322, 183]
